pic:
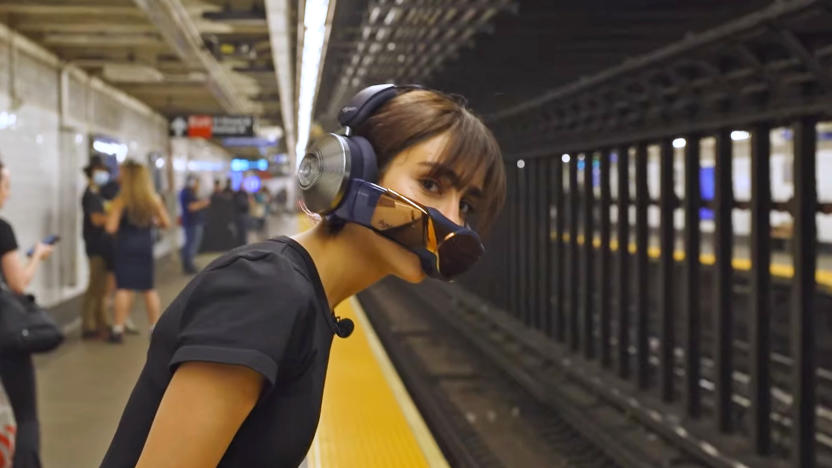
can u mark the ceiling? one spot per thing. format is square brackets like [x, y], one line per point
[177, 56]
[498, 53]
[214, 56]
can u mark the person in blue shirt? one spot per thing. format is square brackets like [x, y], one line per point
[193, 221]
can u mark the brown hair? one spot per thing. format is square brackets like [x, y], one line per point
[137, 194]
[418, 115]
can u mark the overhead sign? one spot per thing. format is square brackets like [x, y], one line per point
[209, 126]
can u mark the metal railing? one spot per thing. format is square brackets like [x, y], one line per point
[562, 264]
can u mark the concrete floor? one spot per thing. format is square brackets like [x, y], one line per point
[84, 385]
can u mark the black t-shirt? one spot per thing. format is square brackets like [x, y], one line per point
[261, 306]
[7, 240]
[95, 238]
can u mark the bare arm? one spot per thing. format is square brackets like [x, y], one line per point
[203, 407]
[162, 214]
[114, 218]
[16, 274]
[98, 219]
[198, 205]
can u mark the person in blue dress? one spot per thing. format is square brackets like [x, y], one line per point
[135, 212]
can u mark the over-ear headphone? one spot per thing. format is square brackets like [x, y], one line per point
[333, 160]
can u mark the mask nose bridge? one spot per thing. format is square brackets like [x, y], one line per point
[449, 208]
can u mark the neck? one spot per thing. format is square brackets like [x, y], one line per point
[344, 265]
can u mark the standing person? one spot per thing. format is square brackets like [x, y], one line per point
[98, 248]
[280, 200]
[16, 370]
[134, 212]
[241, 219]
[193, 221]
[258, 211]
[235, 371]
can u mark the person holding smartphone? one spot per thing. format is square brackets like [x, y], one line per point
[16, 369]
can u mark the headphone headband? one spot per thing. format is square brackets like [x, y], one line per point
[365, 103]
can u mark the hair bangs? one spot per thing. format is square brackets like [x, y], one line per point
[472, 153]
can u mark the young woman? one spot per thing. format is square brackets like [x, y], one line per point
[134, 213]
[16, 370]
[235, 371]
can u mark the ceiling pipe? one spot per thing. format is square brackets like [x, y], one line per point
[182, 35]
[278, 13]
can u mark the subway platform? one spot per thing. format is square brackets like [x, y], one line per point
[368, 418]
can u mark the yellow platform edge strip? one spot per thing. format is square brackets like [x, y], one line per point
[368, 419]
[423, 436]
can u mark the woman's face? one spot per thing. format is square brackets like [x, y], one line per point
[410, 174]
[5, 186]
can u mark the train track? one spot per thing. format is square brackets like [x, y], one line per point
[479, 414]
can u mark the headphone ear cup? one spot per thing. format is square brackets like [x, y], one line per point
[364, 163]
[322, 174]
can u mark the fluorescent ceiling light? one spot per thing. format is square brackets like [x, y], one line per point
[740, 135]
[391, 16]
[314, 36]
[679, 143]
[374, 14]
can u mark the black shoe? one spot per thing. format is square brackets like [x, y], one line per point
[116, 338]
[89, 334]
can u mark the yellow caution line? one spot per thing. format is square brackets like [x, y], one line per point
[822, 277]
[423, 436]
[367, 418]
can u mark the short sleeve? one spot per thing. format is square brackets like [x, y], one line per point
[92, 204]
[187, 198]
[242, 313]
[8, 242]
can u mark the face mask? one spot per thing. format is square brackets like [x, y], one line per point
[445, 249]
[100, 177]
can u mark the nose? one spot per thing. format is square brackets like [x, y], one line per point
[450, 209]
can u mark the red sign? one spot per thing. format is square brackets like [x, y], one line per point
[199, 126]
[212, 126]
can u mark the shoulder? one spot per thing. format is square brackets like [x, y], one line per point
[6, 228]
[7, 238]
[261, 268]
[91, 198]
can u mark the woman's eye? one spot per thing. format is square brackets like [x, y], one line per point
[430, 185]
[466, 208]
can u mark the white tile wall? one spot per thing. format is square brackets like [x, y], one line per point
[45, 156]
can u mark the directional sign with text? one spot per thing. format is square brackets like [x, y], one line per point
[208, 126]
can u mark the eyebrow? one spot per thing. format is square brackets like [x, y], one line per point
[442, 170]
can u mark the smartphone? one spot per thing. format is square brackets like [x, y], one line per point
[48, 240]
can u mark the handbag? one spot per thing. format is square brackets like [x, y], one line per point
[25, 327]
[8, 429]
